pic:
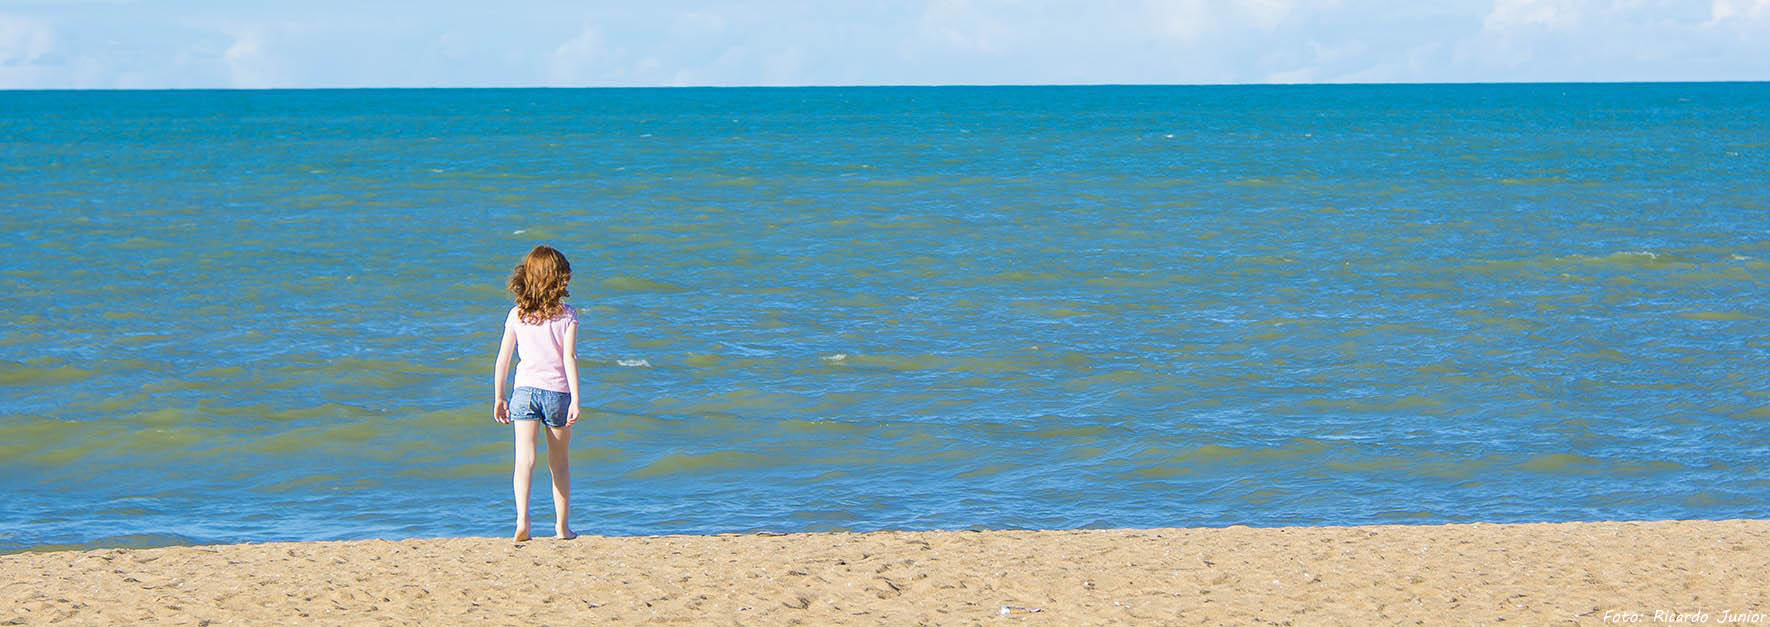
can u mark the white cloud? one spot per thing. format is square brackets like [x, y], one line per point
[248, 65]
[1186, 21]
[572, 62]
[23, 40]
[697, 24]
[1510, 14]
[784, 66]
[1191, 21]
[967, 25]
[1265, 14]
[1724, 10]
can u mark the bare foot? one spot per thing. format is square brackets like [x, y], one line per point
[564, 534]
[522, 533]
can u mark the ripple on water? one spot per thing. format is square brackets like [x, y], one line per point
[637, 284]
[38, 374]
[678, 464]
[1717, 316]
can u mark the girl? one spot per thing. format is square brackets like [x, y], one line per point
[543, 331]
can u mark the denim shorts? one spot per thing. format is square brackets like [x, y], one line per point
[547, 406]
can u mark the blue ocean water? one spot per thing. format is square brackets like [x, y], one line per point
[245, 316]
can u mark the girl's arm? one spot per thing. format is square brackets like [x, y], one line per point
[501, 373]
[571, 371]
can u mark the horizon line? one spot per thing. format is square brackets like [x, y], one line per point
[881, 86]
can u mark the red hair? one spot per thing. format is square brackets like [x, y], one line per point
[538, 283]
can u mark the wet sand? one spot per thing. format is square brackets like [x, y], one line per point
[1447, 574]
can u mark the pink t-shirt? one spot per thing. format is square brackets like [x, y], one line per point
[540, 350]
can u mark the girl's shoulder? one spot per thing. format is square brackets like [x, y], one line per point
[567, 314]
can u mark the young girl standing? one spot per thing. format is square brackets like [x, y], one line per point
[543, 332]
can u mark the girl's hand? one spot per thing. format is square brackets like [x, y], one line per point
[571, 414]
[501, 411]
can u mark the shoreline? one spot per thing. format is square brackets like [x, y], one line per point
[1580, 572]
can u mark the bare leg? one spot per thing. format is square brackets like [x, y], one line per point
[559, 459]
[523, 475]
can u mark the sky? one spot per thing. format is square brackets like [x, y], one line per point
[151, 44]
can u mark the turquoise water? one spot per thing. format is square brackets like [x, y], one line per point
[241, 316]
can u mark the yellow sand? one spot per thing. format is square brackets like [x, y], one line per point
[1452, 574]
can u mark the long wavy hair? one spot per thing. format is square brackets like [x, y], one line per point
[538, 283]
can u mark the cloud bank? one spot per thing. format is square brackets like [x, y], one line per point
[444, 43]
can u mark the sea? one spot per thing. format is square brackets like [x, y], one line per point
[245, 316]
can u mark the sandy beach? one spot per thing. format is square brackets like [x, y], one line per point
[1628, 573]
